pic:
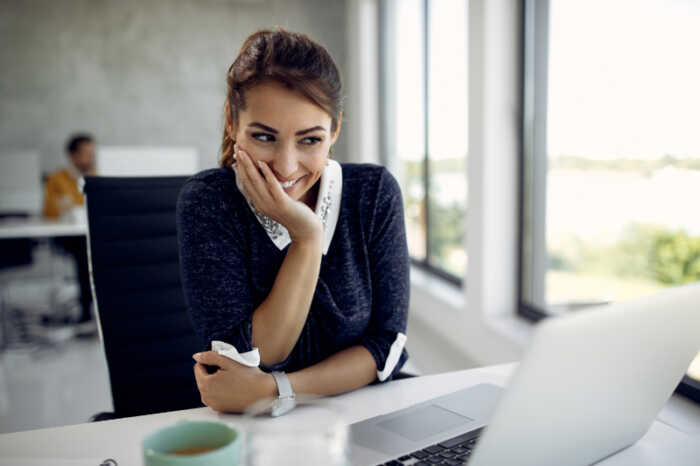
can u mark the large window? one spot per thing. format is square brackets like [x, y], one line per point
[611, 165]
[424, 89]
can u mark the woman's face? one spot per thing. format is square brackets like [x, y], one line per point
[285, 129]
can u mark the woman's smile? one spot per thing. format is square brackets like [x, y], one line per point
[289, 185]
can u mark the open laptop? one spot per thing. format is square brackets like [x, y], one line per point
[590, 385]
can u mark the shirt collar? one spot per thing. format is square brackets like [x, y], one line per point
[327, 208]
[74, 172]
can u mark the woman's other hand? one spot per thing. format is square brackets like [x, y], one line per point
[234, 386]
[269, 198]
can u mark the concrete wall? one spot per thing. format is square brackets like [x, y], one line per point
[135, 72]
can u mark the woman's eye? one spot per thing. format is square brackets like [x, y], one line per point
[264, 137]
[311, 140]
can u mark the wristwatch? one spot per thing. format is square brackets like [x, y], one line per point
[286, 401]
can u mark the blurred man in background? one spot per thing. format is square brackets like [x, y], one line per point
[63, 199]
[62, 193]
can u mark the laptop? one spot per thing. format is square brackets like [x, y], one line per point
[590, 385]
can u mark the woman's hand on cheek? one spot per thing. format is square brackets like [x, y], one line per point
[269, 198]
[234, 386]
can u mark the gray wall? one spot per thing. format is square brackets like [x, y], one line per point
[135, 72]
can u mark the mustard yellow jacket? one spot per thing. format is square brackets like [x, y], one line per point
[61, 193]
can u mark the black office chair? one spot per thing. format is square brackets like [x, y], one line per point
[144, 325]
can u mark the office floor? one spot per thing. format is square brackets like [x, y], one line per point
[56, 379]
[51, 387]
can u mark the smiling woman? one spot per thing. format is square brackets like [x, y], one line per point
[291, 262]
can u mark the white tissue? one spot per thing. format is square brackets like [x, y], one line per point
[250, 358]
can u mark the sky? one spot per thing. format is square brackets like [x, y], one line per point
[623, 78]
[447, 83]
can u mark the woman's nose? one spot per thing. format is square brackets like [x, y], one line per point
[286, 163]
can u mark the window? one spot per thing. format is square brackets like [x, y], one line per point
[611, 160]
[424, 67]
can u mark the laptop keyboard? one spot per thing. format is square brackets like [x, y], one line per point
[455, 451]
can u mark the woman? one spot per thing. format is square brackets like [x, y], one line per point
[291, 262]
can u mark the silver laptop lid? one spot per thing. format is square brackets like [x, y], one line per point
[592, 382]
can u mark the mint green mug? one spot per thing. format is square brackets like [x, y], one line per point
[193, 443]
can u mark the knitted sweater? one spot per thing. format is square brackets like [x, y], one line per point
[229, 264]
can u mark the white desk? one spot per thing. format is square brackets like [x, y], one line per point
[120, 439]
[39, 228]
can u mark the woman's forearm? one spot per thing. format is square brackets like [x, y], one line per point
[278, 321]
[346, 370]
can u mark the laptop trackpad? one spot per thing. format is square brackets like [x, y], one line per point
[423, 423]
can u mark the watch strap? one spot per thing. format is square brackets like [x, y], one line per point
[284, 387]
[287, 399]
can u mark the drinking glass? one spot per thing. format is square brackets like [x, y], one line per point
[312, 433]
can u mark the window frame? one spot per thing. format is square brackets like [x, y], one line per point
[387, 27]
[533, 163]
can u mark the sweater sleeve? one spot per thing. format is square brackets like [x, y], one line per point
[389, 270]
[51, 195]
[213, 268]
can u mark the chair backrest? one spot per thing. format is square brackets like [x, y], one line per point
[144, 325]
[146, 161]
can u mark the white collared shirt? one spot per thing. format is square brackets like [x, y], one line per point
[327, 208]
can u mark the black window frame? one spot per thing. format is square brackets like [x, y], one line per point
[531, 24]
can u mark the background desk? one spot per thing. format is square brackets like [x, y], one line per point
[39, 228]
[120, 439]
[35, 228]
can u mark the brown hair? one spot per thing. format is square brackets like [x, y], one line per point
[291, 59]
[76, 140]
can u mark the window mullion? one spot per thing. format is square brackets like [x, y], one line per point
[426, 123]
[534, 159]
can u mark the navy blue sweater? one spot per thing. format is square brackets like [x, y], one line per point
[229, 265]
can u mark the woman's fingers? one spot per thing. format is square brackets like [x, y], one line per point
[252, 181]
[272, 183]
[200, 372]
[200, 375]
[269, 198]
[212, 358]
[252, 171]
[245, 174]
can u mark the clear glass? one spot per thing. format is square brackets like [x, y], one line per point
[623, 149]
[312, 433]
[447, 130]
[409, 99]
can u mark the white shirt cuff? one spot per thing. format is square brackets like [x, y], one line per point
[393, 358]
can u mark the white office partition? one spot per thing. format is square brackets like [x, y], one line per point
[146, 161]
[20, 182]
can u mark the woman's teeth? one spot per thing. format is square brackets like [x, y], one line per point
[289, 184]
